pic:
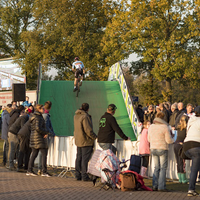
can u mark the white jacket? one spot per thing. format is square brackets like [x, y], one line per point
[193, 129]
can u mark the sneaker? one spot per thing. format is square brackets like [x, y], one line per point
[31, 174]
[39, 172]
[164, 190]
[12, 168]
[192, 193]
[79, 179]
[87, 179]
[74, 89]
[20, 169]
[46, 175]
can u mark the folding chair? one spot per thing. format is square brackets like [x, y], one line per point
[109, 175]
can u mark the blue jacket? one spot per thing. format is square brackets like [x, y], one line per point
[26, 104]
[48, 124]
[5, 123]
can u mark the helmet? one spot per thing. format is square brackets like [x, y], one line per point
[76, 58]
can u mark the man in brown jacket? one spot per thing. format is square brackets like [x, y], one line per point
[84, 140]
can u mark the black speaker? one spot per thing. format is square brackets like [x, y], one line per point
[18, 91]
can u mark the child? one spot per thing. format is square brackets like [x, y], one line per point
[177, 145]
[144, 148]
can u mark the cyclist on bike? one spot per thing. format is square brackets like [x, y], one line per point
[78, 68]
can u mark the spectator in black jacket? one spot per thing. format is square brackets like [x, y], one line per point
[165, 111]
[38, 141]
[24, 149]
[107, 128]
[13, 138]
[173, 115]
[140, 113]
[150, 114]
[181, 111]
[15, 114]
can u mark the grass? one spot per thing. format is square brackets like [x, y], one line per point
[174, 186]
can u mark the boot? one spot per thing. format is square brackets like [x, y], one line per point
[143, 172]
[183, 177]
[179, 178]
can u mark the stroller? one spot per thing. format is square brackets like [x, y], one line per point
[110, 167]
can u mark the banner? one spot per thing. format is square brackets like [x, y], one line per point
[116, 74]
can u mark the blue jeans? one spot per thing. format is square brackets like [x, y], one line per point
[160, 158]
[106, 146]
[13, 143]
[5, 152]
[194, 154]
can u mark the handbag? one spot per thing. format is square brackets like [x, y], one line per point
[128, 181]
[135, 163]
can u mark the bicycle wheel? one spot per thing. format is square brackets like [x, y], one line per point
[78, 89]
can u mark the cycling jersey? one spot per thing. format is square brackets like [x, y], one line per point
[78, 65]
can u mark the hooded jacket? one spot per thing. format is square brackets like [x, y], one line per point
[107, 128]
[24, 136]
[14, 114]
[38, 131]
[83, 129]
[159, 135]
[48, 124]
[5, 123]
[18, 124]
[25, 131]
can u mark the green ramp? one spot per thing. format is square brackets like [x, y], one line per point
[99, 94]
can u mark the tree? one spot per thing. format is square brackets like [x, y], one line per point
[147, 86]
[15, 20]
[166, 32]
[67, 29]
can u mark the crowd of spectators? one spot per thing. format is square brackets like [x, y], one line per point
[26, 131]
[171, 124]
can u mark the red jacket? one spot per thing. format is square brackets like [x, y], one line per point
[139, 179]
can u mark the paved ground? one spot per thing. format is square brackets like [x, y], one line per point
[16, 186]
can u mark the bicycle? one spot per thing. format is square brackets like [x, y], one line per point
[78, 85]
